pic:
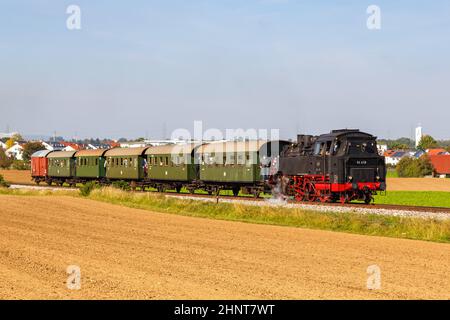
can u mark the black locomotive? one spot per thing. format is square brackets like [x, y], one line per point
[343, 165]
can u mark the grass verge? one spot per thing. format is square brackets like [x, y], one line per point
[415, 198]
[365, 224]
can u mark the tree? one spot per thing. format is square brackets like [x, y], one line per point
[399, 146]
[425, 166]
[17, 137]
[410, 167]
[5, 161]
[9, 143]
[404, 143]
[3, 183]
[29, 148]
[405, 167]
[427, 142]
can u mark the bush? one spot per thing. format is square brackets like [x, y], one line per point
[87, 188]
[20, 165]
[31, 147]
[410, 167]
[123, 185]
[5, 161]
[3, 183]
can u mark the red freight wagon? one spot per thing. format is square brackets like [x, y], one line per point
[39, 165]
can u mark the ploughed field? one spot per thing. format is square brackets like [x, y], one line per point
[17, 176]
[130, 253]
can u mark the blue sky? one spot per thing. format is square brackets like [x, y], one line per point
[136, 67]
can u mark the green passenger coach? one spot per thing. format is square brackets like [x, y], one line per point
[235, 164]
[171, 163]
[126, 164]
[230, 162]
[61, 166]
[90, 164]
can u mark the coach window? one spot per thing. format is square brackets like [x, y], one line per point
[248, 159]
[240, 159]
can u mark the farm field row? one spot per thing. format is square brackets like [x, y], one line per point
[128, 253]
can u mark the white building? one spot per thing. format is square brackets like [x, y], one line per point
[418, 135]
[133, 144]
[16, 151]
[395, 158]
[3, 145]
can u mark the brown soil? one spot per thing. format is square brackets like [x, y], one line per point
[17, 176]
[128, 253]
[418, 184]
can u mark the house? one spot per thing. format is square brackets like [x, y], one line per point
[112, 144]
[441, 164]
[3, 145]
[393, 157]
[95, 146]
[133, 144]
[70, 146]
[52, 146]
[418, 153]
[437, 151]
[16, 151]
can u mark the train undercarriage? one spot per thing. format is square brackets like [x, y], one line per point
[319, 188]
[304, 188]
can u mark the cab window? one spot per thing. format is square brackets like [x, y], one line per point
[360, 147]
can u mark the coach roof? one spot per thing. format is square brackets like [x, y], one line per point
[91, 153]
[232, 146]
[173, 148]
[125, 152]
[41, 153]
[61, 154]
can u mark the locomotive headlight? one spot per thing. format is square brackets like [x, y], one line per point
[350, 178]
[378, 178]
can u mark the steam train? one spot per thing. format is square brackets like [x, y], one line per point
[340, 166]
[343, 165]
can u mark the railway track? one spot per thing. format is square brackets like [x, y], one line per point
[272, 201]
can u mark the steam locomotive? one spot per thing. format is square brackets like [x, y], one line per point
[343, 165]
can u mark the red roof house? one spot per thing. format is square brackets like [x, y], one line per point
[435, 152]
[441, 164]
